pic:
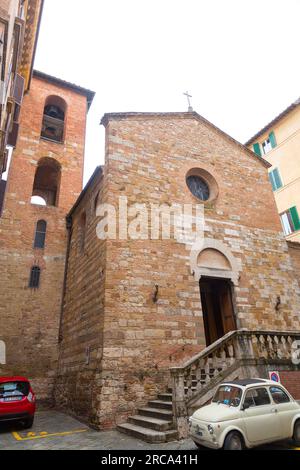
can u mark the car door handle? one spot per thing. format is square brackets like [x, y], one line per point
[274, 410]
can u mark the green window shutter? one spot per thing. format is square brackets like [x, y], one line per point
[271, 177]
[295, 217]
[277, 179]
[272, 139]
[256, 148]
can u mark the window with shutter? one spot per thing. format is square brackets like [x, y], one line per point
[290, 221]
[272, 140]
[275, 179]
[295, 217]
[256, 148]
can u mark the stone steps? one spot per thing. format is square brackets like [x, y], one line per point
[165, 405]
[165, 396]
[156, 413]
[150, 422]
[146, 434]
[154, 422]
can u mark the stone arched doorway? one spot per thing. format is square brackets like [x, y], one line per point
[217, 271]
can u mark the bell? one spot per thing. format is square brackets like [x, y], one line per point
[52, 111]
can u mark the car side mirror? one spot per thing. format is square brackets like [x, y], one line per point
[245, 406]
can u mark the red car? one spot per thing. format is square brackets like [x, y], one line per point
[17, 401]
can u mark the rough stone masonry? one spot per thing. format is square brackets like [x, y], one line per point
[117, 343]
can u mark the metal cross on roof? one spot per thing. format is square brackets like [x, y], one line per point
[188, 98]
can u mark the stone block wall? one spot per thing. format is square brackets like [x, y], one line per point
[79, 373]
[148, 158]
[294, 251]
[134, 339]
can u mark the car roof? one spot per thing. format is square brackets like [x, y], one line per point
[250, 382]
[13, 379]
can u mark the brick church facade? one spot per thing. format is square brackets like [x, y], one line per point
[110, 317]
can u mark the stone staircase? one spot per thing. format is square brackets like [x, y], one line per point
[154, 422]
[241, 353]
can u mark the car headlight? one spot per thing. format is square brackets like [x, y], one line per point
[210, 429]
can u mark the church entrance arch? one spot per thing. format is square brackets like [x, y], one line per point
[217, 272]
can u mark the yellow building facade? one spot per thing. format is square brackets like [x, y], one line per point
[279, 144]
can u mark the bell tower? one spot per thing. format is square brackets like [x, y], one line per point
[44, 181]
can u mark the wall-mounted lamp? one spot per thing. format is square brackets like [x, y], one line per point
[278, 303]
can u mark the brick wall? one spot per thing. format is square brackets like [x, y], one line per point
[291, 380]
[29, 319]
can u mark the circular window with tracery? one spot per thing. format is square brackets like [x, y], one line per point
[198, 187]
[202, 184]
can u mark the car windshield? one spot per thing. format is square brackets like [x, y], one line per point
[13, 389]
[228, 395]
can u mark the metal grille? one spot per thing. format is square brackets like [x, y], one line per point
[40, 234]
[34, 281]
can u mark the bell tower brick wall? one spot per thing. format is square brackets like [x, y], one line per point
[29, 318]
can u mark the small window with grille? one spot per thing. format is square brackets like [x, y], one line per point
[40, 234]
[34, 281]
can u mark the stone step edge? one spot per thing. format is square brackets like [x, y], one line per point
[148, 435]
[152, 423]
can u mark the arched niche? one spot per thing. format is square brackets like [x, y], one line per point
[212, 258]
[53, 126]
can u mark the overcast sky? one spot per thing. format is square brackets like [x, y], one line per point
[238, 58]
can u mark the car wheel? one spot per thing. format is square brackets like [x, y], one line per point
[28, 423]
[233, 441]
[296, 435]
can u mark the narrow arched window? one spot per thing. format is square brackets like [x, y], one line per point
[46, 183]
[40, 234]
[34, 281]
[53, 126]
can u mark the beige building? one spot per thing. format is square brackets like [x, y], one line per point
[19, 26]
[279, 143]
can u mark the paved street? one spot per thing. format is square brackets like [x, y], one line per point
[57, 431]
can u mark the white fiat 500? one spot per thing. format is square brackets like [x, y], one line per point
[246, 413]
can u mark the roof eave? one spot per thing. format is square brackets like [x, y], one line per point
[273, 122]
[63, 83]
[188, 114]
[98, 171]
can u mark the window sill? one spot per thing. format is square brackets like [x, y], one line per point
[292, 235]
[59, 142]
[40, 206]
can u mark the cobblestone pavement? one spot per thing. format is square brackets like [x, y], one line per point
[57, 431]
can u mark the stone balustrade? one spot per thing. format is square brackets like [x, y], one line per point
[236, 351]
